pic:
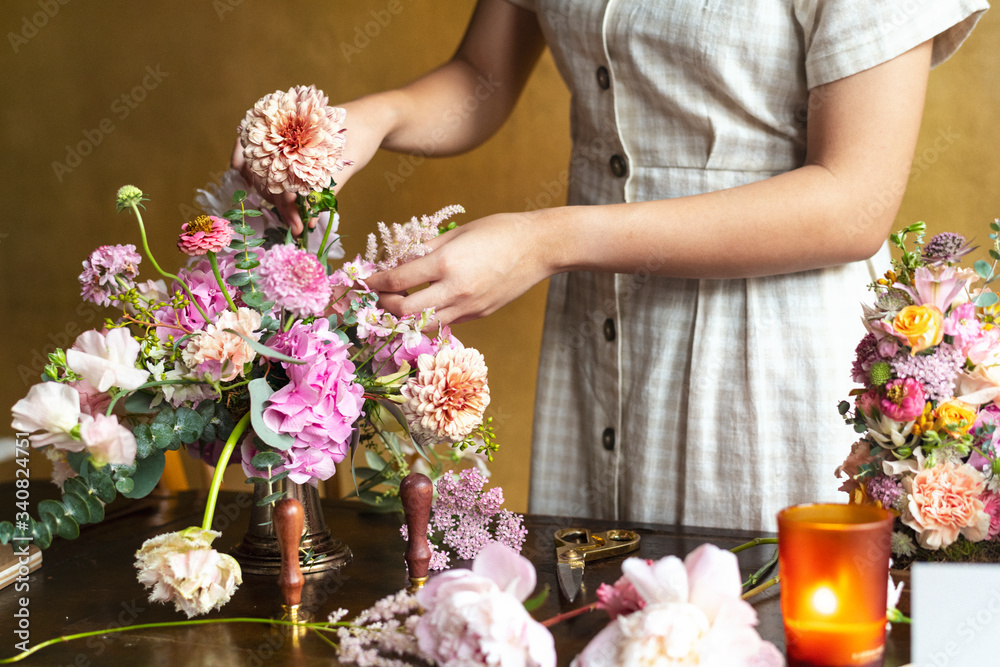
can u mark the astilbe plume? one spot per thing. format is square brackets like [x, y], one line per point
[403, 243]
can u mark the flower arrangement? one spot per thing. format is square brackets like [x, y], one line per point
[258, 342]
[929, 402]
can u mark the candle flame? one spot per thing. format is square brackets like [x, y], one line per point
[824, 601]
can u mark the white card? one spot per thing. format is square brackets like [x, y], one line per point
[956, 614]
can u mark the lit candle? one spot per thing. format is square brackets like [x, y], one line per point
[834, 568]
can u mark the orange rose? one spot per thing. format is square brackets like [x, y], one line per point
[955, 417]
[921, 326]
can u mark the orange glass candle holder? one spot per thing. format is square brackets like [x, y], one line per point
[834, 568]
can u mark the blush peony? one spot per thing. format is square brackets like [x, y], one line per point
[293, 141]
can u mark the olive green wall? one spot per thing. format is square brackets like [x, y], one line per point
[99, 94]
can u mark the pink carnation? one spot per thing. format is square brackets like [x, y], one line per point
[295, 280]
[206, 233]
[904, 400]
[945, 501]
[446, 398]
[620, 598]
[220, 353]
[991, 505]
[293, 141]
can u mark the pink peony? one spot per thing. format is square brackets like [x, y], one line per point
[295, 280]
[110, 269]
[220, 353]
[943, 502]
[206, 233]
[446, 398]
[49, 412]
[991, 505]
[107, 440]
[293, 141]
[693, 614]
[904, 400]
[477, 617]
[183, 568]
[107, 360]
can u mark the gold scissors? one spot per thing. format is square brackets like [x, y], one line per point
[575, 546]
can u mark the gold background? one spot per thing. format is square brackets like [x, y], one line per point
[66, 65]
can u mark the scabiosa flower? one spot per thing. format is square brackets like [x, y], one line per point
[295, 280]
[446, 398]
[110, 269]
[293, 141]
[936, 371]
[946, 248]
[127, 196]
[903, 400]
[183, 568]
[206, 233]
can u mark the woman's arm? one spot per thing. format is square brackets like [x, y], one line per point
[452, 109]
[836, 208]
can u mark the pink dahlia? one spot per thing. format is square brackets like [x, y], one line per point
[206, 233]
[295, 280]
[904, 400]
[110, 269]
[293, 141]
[446, 398]
[944, 501]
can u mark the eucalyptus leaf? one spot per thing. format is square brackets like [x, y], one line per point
[239, 196]
[252, 213]
[40, 534]
[255, 243]
[237, 245]
[143, 440]
[982, 268]
[77, 508]
[260, 391]
[53, 507]
[188, 425]
[6, 532]
[138, 403]
[95, 507]
[164, 436]
[102, 485]
[248, 264]
[146, 476]
[238, 279]
[264, 460]
[273, 498]
[68, 528]
[985, 299]
[77, 461]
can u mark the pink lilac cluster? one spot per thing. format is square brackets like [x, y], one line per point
[465, 518]
[885, 490]
[318, 406]
[295, 280]
[936, 372]
[404, 243]
[109, 270]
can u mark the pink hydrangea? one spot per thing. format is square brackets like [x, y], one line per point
[295, 280]
[204, 234]
[446, 398]
[110, 269]
[293, 141]
[903, 400]
[945, 501]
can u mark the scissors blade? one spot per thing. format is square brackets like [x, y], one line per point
[570, 573]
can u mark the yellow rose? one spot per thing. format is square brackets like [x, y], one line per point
[922, 326]
[955, 417]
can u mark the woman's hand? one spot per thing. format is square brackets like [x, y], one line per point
[472, 271]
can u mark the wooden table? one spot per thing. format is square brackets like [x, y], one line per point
[90, 584]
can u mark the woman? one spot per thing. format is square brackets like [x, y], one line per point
[735, 168]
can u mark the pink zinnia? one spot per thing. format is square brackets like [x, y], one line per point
[293, 141]
[295, 280]
[206, 233]
[904, 400]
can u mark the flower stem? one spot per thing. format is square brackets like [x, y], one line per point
[152, 260]
[320, 627]
[759, 589]
[220, 470]
[565, 616]
[755, 542]
[218, 278]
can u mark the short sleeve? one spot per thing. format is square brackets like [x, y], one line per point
[530, 5]
[844, 37]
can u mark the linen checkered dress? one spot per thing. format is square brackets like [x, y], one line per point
[704, 402]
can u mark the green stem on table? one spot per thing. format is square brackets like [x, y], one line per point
[755, 542]
[218, 278]
[316, 627]
[760, 589]
[220, 470]
[566, 615]
[152, 260]
[764, 569]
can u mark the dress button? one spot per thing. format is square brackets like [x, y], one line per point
[618, 166]
[608, 438]
[603, 78]
[609, 329]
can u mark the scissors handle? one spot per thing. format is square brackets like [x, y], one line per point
[595, 546]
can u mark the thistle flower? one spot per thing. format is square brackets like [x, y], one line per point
[110, 269]
[206, 233]
[946, 248]
[293, 141]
